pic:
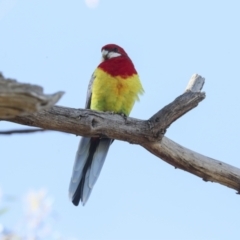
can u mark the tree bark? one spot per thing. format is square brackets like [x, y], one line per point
[20, 99]
[147, 133]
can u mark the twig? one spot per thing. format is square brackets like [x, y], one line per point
[9, 132]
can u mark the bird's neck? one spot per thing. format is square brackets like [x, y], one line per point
[118, 66]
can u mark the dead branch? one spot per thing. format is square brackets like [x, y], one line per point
[147, 133]
[204, 167]
[17, 131]
[19, 99]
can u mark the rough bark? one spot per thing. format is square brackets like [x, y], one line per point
[147, 133]
[204, 167]
[20, 99]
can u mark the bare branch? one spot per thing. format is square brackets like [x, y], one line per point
[19, 99]
[9, 132]
[204, 167]
[147, 133]
[170, 113]
[89, 123]
[93, 123]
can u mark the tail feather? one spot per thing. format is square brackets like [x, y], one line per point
[89, 160]
[80, 161]
[86, 190]
[99, 158]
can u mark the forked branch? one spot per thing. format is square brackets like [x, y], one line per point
[147, 133]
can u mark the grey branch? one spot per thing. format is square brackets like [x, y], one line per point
[147, 133]
[19, 99]
[19, 131]
[170, 113]
[204, 167]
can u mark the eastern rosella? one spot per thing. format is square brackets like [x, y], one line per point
[114, 87]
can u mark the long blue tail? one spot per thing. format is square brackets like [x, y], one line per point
[88, 163]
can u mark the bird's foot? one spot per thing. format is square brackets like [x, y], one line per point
[110, 112]
[123, 115]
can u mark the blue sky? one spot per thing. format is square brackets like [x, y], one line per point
[56, 44]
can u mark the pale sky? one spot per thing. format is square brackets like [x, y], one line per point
[56, 44]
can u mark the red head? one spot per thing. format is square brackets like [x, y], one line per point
[112, 50]
[116, 61]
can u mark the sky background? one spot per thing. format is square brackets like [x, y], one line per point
[56, 44]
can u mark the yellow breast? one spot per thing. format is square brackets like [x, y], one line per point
[115, 94]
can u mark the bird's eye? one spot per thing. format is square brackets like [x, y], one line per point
[115, 49]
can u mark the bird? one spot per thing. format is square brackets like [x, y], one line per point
[113, 87]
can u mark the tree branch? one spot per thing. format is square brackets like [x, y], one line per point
[204, 167]
[19, 99]
[147, 133]
[17, 131]
[170, 113]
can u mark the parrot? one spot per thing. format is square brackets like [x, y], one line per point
[113, 87]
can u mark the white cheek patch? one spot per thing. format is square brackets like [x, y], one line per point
[108, 55]
[113, 55]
